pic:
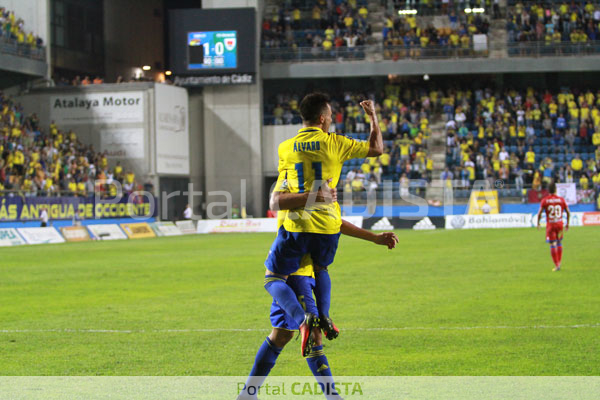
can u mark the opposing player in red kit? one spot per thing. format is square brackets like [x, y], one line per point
[554, 206]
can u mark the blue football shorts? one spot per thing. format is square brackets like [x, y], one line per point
[289, 247]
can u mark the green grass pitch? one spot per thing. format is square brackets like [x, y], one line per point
[474, 302]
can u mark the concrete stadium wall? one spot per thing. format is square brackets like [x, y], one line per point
[39, 101]
[431, 67]
[232, 144]
[132, 140]
[197, 167]
[273, 135]
[133, 36]
[232, 121]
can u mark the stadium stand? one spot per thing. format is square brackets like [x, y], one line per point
[315, 30]
[320, 31]
[404, 117]
[553, 28]
[412, 36]
[36, 163]
[16, 40]
[523, 139]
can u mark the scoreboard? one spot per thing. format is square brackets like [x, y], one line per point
[213, 49]
[212, 46]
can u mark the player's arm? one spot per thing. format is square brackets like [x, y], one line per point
[375, 139]
[288, 201]
[539, 215]
[568, 216]
[388, 239]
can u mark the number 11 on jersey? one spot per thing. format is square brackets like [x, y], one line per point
[318, 172]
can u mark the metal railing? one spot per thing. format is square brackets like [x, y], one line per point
[397, 53]
[43, 193]
[302, 54]
[58, 193]
[543, 49]
[432, 52]
[359, 53]
[11, 46]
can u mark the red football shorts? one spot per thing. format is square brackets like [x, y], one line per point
[554, 231]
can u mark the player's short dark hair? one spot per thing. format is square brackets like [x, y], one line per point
[313, 106]
[552, 187]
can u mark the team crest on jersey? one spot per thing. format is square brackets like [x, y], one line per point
[284, 185]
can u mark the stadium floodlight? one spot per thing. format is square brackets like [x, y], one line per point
[168, 73]
[407, 12]
[474, 10]
[146, 68]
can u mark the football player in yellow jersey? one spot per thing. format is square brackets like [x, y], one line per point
[302, 282]
[310, 160]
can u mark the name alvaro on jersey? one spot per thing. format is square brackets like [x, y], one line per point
[307, 146]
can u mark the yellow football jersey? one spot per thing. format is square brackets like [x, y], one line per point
[314, 156]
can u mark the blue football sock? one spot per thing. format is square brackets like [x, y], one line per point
[263, 363]
[318, 364]
[285, 297]
[323, 292]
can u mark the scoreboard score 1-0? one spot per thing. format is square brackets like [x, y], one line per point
[212, 49]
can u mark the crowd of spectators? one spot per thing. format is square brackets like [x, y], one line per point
[35, 162]
[98, 80]
[552, 25]
[400, 110]
[407, 36]
[404, 119]
[328, 28]
[77, 81]
[13, 30]
[524, 138]
[405, 162]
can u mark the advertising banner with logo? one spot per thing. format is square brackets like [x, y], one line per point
[106, 232]
[250, 225]
[172, 130]
[237, 225]
[122, 143]
[165, 229]
[75, 233]
[138, 230]
[591, 218]
[388, 224]
[10, 237]
[29, 208]
[186, 227]
[41, 235]
[97, 108]
[568, 191]
[424, 225]
[488, 221]
[382, 224]
[576, 219]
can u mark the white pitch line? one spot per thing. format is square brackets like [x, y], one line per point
[390, 329]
